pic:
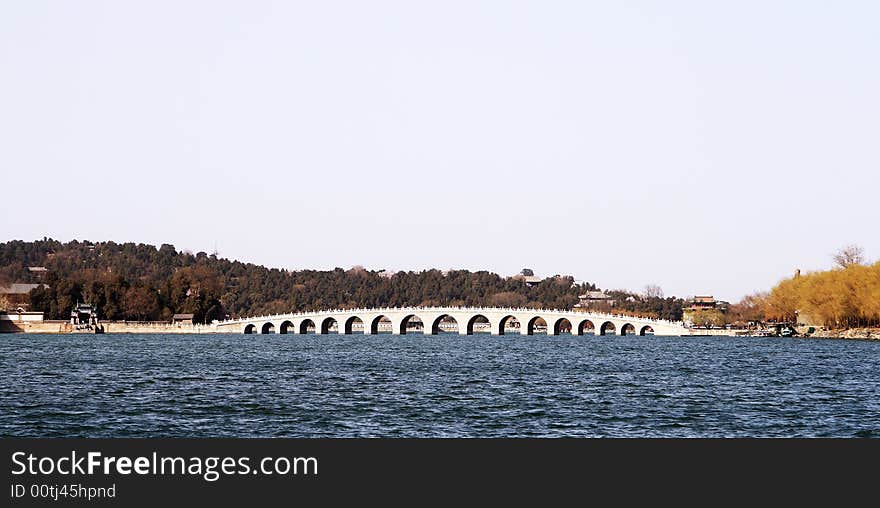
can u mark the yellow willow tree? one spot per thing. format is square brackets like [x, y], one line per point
[868, 294]
[815, 300]
[843, 297]
[783, 302]
[839, 307]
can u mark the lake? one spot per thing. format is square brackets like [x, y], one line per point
[436, 386]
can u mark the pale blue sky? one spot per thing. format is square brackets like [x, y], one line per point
[708, 147]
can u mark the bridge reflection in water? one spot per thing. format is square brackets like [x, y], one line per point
[461, 320]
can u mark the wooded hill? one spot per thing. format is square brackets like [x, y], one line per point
[141, 282]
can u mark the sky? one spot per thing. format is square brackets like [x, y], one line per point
[706, 147]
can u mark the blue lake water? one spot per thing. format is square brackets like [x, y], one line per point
[436, 386]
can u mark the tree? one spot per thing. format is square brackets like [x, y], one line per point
[215, 311]
[508, 299]
[751, 309]
[527, 272]
[849, 255]
[784, 301]
[653, 291]
[42, 298]
[708, 318]
[141, 303]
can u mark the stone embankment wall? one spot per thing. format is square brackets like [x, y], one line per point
[733, 332]
[36, 327]
[851, 333]
[156, 328]
[131, 327]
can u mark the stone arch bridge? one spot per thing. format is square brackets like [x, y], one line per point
[463, 320]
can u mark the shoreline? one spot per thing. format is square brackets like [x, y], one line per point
[846, 333]
[132, 327]
[146, 328]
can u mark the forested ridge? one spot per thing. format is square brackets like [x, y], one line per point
[136, 281]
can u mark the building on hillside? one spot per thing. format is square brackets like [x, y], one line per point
[182, 319]
[531, 280]
[704, 303]
[18, 294]
[38, 272]
[593, 298]
[706, 308]
[700, 303]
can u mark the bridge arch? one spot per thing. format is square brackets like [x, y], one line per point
[250, 328]
[646, 330]
[627, 329]
[444, 318]
[562, 325]
[286, 327]
[607, 327]
[503, 323]
[584, 327]
[267, 328]
[478, 319]
[349, 325]
[411, 319]
[534, 323]
[305, 325]
[327, 324]
[379, 321]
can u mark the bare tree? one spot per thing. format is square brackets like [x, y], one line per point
[849, 255]
[653, 291]
[508, 299]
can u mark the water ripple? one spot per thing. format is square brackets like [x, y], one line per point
[442, 386]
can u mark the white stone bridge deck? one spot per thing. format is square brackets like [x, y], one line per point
[434, 320]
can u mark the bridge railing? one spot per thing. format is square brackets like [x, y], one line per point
[478, 310]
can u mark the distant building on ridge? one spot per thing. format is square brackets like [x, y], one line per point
[594, 298]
